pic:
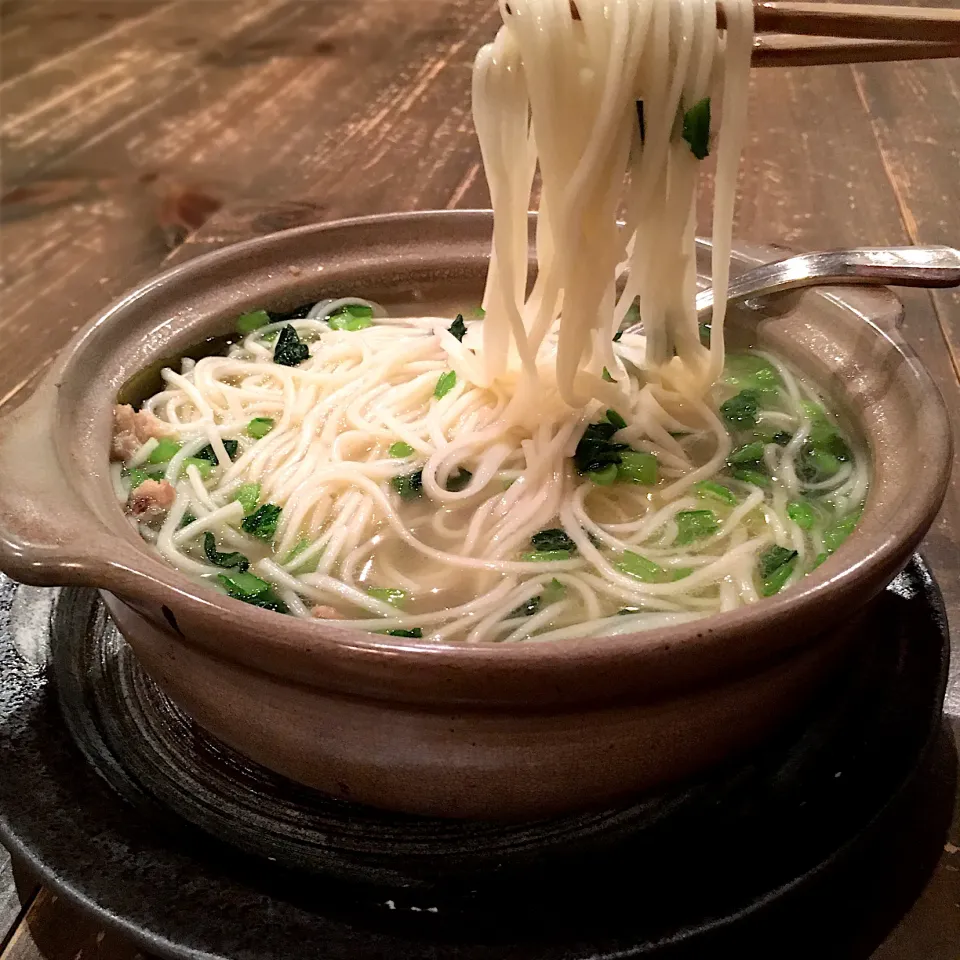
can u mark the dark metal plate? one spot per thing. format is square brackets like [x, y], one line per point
[186, 846]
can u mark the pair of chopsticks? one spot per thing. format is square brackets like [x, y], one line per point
[805, 34]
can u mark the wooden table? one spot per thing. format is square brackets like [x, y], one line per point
[135, 131]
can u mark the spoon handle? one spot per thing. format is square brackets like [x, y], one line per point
[895, 266]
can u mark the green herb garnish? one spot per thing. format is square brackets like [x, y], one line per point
[458, 328]
[695, 524]
[552, 539]
[400, 449]
[638, 467]
[290, 350]
[775, 566]
[749, 453]
[445, 384]
[392, 595]
[409, 486]
[262, 523]
[696, 128]
[237, 560]
[259, 427]
[248, 322]
[740, 411]
[248, 496]
[595, 449]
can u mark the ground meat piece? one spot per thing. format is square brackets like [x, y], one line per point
[131, 430]
[327, 613]
[151, 499]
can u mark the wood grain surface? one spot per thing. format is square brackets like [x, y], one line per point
[132, 131]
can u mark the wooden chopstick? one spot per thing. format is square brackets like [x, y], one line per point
[855, 20]
[784, 50]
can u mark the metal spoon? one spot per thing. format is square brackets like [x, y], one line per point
[893, 266]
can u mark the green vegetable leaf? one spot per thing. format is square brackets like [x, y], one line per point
[553, 592]
[206, 453]
[618, 335]
[204, 466]
[136, 477]
[165, 450]
[392, 595]
[290, 350]
[400, 449]
[259, 427]
[839, 531]
[696, 128]
[253, 590]
[553, 539]
[801, 514]
[775, 565]
[237, 560]
[262, 523]
[695, 524]
[749, 453]
[479, 312]
[706, 330]
[445, 384]
[409, 486]
[416, 633]
[346, 320]
[527, 609]
[747, 371]
[708, 490]
[616, 419]
[248, 322]
[638, 467]
[605, 476]
[595, 449]
[640, 568]
[747, 475]
[248, 496]
[458, 328]
[608, 376]
[740, 411]
[545, 556]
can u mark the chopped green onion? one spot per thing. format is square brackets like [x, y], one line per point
[400, 449]
[416, 633]
[248, 322]
[445, 384]
[248, 496]
[136, 477]
[259, 427]
[553, 539]
[165, 450]
[204, 466]
[262, 523]
[696, 128]
[545, 556]
[410, 486]
[604, 476]
[801, 514]
[392, 595]
[290, 350]
[616, 419]
[695, 524]
[458, 328]
[638, 467]
[708, 490]
[237, 560]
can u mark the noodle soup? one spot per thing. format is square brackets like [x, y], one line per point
[349, 473]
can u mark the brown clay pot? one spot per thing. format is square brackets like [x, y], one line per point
[524, 730]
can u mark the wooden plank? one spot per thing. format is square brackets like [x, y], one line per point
[54, 930]
[31, 34]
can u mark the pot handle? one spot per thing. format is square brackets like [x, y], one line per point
[48, 535]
